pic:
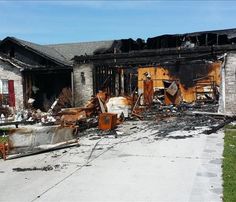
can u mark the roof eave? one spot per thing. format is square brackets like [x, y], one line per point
[58, 62]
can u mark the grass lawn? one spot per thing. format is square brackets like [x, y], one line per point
[229, 164]
[3, 139]
[3, 131]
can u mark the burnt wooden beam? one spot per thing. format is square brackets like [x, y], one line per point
[153, 55]
[47, 69]
[221, 125]
[127, 62]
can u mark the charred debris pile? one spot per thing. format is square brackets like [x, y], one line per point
[104, 113]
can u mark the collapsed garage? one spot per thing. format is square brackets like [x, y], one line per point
[190, 67]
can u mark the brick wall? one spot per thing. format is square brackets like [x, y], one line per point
[230, 84]
[10, 72]
[83, 83]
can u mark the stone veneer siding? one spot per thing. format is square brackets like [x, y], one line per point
[230, 84]
[83, 85]
[9, 72]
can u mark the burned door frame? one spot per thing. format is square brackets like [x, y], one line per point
[114, 80]
[130, 80]
[104, 78]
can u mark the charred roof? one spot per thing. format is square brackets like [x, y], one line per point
[165, 48]
[63, 54]
[187, 40]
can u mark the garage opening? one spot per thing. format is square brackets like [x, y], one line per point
[44, 87]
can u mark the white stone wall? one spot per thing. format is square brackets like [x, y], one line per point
[10, 72]
[230, 84]
[83, 87]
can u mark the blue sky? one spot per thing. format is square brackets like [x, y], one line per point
[48, 22]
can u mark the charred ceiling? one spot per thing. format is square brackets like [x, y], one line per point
[194, 71]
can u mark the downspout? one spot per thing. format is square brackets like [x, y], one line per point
[72, 88]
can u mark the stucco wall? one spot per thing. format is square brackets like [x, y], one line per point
[83, 83]
[10, 72]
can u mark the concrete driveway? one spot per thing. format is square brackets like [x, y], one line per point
[136, 166]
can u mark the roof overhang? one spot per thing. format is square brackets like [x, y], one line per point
[57, 62]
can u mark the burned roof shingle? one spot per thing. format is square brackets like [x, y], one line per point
[69, 50]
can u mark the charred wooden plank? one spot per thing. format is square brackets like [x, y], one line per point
[221, 125]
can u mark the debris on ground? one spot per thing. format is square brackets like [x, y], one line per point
[107, 121]
[45, 168]
[164, 110]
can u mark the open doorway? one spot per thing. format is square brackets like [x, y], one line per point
[45, 87]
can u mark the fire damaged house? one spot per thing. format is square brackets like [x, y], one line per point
[39, 74]
[189, 67]
[172, 69]
[64, 89]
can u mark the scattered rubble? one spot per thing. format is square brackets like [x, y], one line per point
[180, 137]
[101, 117]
